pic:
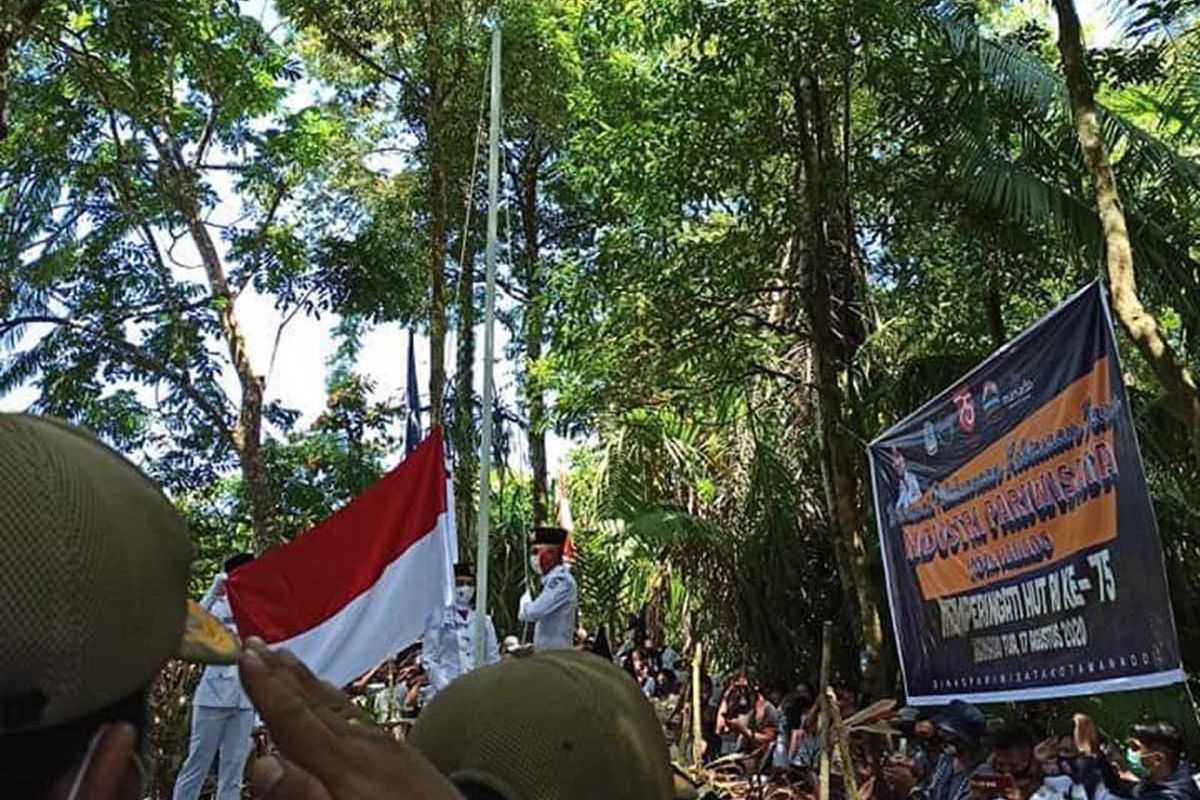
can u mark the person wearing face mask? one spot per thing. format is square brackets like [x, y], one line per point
[1057, 756]
[448, 646]
[1015, 761]
[921, 746]
[960, 728]
[1153, 753]
[554, 610]
[93, 582]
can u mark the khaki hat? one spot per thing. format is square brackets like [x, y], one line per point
[93, 578]
[557, 724]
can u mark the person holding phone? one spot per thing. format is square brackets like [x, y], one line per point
[1153, 754]
[960, 728]
[746, 720]
[1013, 770]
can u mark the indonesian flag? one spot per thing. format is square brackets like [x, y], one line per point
[360, 586]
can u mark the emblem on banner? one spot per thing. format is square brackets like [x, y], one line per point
[931, 442]
[965, 404]
[990, 399]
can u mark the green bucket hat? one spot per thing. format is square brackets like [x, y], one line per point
[93, 578]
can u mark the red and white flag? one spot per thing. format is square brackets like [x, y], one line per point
[562, 502]
[360, 586]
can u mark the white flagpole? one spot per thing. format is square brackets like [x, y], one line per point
[489, 344]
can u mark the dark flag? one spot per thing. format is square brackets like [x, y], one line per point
[412, 429]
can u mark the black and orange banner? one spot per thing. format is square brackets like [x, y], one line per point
[1020, 548]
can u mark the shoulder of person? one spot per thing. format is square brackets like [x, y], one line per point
[560, 576]
[1182, 785]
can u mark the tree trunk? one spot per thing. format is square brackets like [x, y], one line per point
[247, 433]
[527, 188]
[993, 311]
[466, 446]
[437, 289]
[438, 211]
[1138, 323]
[827, 270]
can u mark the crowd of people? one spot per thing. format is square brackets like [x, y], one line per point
[770, 733]
[94, 565]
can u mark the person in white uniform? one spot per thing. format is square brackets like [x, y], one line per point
[909, 489]
[222, 716]
[554, 610]
[448, 646]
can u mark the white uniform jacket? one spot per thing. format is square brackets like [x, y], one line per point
[553, 610]
[448, 646]
[220, 686]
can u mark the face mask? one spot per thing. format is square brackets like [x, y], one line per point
[1136, 766]
[463, 595]
[536, 564]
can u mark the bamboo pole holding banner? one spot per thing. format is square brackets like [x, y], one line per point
[697, 732]
[842, 741]
[823, 711]
[489, 347]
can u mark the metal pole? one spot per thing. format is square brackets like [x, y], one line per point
[489, 345]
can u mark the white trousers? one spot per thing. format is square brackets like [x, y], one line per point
[214, 729]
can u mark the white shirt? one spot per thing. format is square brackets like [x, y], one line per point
[448, 646]
[553, 611]
[220, 686]
[910, 491]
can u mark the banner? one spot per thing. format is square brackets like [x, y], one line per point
[1020, 548]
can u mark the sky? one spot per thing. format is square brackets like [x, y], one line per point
[297, 378]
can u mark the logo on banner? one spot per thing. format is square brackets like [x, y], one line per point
[990, 399]
[965, 404]
[1018, 394]
[931, 441]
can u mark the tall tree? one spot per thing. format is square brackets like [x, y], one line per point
[149, 102]
[1138, 322]
[426, 55]
[539, 73]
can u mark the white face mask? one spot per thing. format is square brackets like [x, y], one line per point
[463, 595]
[536, 564]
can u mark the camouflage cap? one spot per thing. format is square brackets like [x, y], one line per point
[93, 577]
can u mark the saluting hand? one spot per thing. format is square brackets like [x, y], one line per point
[328, 748]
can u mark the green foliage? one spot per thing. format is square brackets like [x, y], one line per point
[130, 124]
[313, 472]
[677, 341]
